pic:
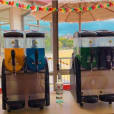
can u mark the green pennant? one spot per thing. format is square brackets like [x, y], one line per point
[56, 9]
[98, 6]
[72, 9]
[47, 9]
[37, 9]
[7, 3]
[80, 9]
[17, 4]
[108, 5]
[64, 9]
[28, 6]
[90, 8]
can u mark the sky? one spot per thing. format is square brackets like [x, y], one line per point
[71, 28]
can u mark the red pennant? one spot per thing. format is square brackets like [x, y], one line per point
[23, 6]
[11, 3]
[1, 1]
[76, 9]
[93, 7]
[19, 5]
[101, 6]
[67, 9]
[85, 8]
[40, 9]
[33, 7]
[110, 4]
[50, 9]
[60, 9]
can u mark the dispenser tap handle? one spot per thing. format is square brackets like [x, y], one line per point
[13, 57]
[36, 57]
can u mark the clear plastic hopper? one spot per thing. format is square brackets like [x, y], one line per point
[35, 51]
[92, 45]
[14, 47]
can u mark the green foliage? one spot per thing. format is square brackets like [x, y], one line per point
[60, 45]
[63, 43]
[66, 43]
[48, 43]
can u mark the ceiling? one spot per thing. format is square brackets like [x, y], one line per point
[4, 9]
[4, 13]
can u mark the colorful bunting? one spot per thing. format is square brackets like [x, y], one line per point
[64, 10]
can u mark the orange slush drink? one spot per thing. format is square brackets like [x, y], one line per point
[19, 59]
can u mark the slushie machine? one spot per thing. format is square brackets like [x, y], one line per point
[25, 73]
[12, 70]
[92, 72]
[37, 67]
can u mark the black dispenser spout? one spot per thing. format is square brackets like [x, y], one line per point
[13, 59]
[36, 59]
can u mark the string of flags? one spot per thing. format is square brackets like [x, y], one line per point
[64, 10]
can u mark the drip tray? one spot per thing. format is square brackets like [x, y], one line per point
[90, 99]
[14, 105]
[36, 103]
[107, 98]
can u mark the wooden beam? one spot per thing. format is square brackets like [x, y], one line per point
[91, 13]
[4, 9]
[37, 2]
[26, 13]
[109, 10]
[67, 16]
[15, 18]
[79, 19]
[55, 40]
[4, 18]
[80, 22]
